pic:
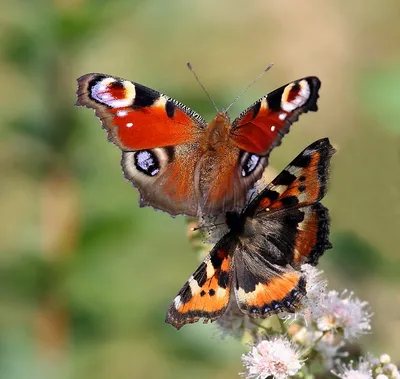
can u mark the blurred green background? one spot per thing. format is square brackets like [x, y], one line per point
[85, 275]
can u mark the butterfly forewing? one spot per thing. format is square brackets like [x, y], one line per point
[137, 117]
[291, 202]
[261, 127]
[207, 292]
[301, 183]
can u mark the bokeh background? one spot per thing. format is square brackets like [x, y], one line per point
[85, 274]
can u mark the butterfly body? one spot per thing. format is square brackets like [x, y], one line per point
[178, 162]
[257, 262]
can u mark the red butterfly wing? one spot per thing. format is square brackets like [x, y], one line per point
[137, 117]
[261, 127]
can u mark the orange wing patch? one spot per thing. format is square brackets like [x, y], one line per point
[312, 235]
[279, 293]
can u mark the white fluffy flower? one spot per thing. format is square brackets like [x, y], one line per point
[392, 371]
[276, 357]
[384, 359]
[361, 371]
[312, 304]
[316, 290]
[348, 314]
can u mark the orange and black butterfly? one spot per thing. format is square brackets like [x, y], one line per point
[258, 259]
[182, 164]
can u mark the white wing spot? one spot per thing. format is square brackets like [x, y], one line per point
[177, 302]
[121, 113]
[221, 292]
[282, 116]
[129, 125]
[272, 128]
[194, 286]
[210, 269]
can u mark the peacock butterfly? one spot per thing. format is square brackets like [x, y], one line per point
[178, 162]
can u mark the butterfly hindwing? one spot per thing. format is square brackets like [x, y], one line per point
[261, 126]
[164, 177]
[263, 288]
[207, 292]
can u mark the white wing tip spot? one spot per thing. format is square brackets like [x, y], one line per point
[272, 128]
[129, 125]
[177, 302]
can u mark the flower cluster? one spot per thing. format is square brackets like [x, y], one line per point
[368, 367]
[315, 338]
[276, 357]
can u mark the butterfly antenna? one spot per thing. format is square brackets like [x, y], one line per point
[254, 81]
[201, 85]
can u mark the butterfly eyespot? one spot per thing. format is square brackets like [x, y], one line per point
[295, 95]
[254, 311]
[147, 162]
[202, 293]
[249, 163]
[112, 92]
[211, 292]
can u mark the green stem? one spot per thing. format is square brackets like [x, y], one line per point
[312, 346]
[282, 324]
[268, 330]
